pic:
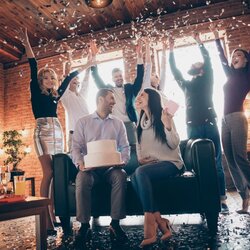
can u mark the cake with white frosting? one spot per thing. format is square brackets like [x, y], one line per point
[102, 153]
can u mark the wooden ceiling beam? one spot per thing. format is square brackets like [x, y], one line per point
[10, 51]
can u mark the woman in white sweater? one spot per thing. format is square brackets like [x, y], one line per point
[159, 157]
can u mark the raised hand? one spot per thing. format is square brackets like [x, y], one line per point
[93, 47]
[196, 37]
[23, 35]
[171, 43]
[213, 28]
[166, 119]
[24, 38]
[68, 63]
[139, 48]
[164, 43]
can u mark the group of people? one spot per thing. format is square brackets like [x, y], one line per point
[135, 117]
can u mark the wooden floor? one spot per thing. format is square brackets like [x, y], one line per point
[190, 232]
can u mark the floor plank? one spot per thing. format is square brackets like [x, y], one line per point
[190, 232]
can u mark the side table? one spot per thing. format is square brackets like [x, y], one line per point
[30, 206]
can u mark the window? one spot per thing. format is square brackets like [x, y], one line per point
[185, 57]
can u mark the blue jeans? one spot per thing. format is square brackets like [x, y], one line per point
[142, 181]
[210, 131]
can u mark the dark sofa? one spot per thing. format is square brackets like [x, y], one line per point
[195, 191]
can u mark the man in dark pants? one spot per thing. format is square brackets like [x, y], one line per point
[200, 113]
[100, 125]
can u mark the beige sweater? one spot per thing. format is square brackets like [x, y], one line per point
[151, 147]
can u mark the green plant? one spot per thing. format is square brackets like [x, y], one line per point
[13, 148]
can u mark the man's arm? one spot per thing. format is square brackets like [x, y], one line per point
[79, 148]
[204, 51]
[122, 143]
[140, 70]
[94, 70]
[97, 79]
[176, 73]
[85, 84]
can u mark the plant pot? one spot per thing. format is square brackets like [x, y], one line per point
[16, 172]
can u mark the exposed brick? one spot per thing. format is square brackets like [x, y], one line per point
[15, 108]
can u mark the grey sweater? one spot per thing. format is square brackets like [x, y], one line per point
[151, 147]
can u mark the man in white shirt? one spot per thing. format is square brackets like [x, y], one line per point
[74, 99]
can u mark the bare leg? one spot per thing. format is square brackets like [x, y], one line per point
[52, 207]
[46, 163]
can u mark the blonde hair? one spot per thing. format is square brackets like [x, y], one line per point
[40, 77]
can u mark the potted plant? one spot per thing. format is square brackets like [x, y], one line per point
[14, 149]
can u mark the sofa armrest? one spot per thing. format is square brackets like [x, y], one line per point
[204, 165]
[63, 172]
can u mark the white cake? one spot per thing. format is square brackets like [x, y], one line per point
[102, 153]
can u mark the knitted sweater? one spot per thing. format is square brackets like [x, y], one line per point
[151, 147]
[237, 85]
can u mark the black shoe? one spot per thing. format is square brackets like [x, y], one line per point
[57, 224]
[51, 232]
[224, 208]
[117, 234]
[85, 234]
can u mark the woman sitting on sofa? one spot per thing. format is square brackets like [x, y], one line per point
[159, 158]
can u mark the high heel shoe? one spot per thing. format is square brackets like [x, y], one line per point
[245, 204]
[148, 241]
[150, 230]
[165, 228]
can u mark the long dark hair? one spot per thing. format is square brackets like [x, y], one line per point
[243, 51]
[155, 110]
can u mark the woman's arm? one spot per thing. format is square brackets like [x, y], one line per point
[163, 66]
[26, 43]
[223, 59]
[148, 66]
[34, 87]
[172, 136]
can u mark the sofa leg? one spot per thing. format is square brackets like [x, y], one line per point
[66, 224]
[212, 222]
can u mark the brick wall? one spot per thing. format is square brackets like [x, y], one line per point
[18, 114]
[1, 98]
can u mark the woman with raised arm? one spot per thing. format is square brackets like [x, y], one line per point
[234, 122]
[152, 79]
[159, 157]
[48, 135]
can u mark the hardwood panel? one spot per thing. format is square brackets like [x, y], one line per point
[49, 21]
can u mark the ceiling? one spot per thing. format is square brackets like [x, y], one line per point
[54, 20]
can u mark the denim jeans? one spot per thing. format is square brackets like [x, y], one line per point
[210, 131]
[142, 181]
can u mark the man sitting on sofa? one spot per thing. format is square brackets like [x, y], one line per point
[99, 126]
